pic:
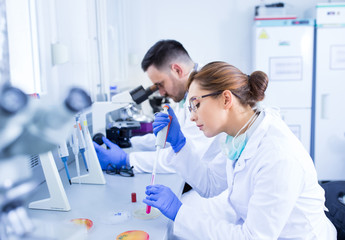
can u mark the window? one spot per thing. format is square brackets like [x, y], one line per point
[23, 45]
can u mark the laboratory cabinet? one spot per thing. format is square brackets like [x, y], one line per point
[329, 145]
[283, 49]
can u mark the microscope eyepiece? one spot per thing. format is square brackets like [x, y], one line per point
[140, 94]
[12, 100]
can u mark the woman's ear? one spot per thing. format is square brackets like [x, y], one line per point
[227, 99]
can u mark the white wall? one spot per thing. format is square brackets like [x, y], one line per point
[209, 30]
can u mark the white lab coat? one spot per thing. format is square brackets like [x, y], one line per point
[272, 192]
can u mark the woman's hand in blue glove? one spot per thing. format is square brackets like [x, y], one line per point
[114, 155]
[164, 199]
[175, 137]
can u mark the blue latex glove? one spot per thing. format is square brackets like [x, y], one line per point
[114, 155]
[164, 199]
[175, 137]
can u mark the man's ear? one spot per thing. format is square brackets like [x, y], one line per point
[227, 99]
[177, 69]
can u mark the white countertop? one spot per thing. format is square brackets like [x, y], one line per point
[99, 202]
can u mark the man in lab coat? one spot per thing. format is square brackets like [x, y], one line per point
[168, 65]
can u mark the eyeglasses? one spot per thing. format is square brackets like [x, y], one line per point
[123, 171]
[194, 106]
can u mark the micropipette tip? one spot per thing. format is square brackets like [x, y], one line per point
[69, 179]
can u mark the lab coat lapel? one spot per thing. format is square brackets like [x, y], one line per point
[253, 143]
[180, 113]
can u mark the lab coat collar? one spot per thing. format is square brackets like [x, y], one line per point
[256, 137]
[183, 101]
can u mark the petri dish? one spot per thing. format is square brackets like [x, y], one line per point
[133, 235]
[141, 213]
[83, 221]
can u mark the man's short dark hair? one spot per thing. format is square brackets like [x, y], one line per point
[162, 53]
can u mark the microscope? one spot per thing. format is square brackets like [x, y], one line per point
[113, 119]
[28, 127]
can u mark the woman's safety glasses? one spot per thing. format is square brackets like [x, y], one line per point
[194, 104]
[123, 171]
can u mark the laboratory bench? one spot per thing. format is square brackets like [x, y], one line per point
[109, 206]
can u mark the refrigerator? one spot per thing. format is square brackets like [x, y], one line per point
[329, 144]
[283, 49]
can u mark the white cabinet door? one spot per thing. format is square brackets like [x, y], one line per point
[330, 99]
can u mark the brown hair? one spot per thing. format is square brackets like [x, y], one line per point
[220, 76]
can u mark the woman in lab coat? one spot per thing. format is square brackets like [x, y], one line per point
[273, 192]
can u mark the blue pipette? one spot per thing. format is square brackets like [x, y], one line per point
[64, 160]
[75, 148]
[82, 152]
[63, 153]
[81, 141]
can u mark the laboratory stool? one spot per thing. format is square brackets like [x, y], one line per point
[334, 192]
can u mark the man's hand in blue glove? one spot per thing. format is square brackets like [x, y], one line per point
[175, 137]
[114, 155]
[164, 199]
